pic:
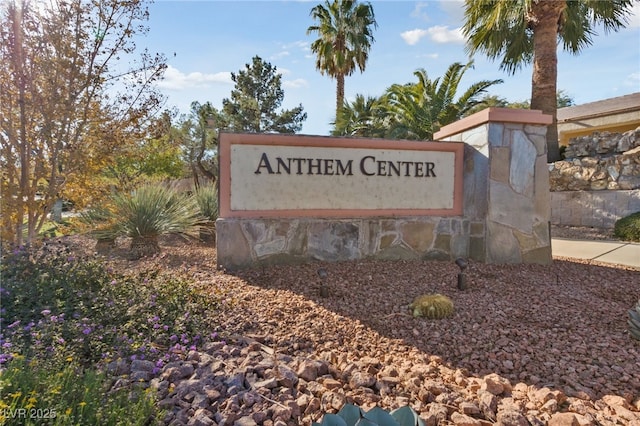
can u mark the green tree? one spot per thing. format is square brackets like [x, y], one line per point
[255, 100]
[345, 34]
[200, 141]
[61, 113]
[155, 157]
[526, 31]
[563, 99]
[418, 110]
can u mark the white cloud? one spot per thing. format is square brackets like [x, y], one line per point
[438, 34]
[442, 34]
[454, 9]
[279, 55]
[413, 36]
[174, 79]
[295, 84]
[300, 44]
[633, 79]
[418, 11]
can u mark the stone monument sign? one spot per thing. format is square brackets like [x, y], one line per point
[482, 195]
[264, 175]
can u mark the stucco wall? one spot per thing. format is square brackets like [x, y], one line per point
[597, 209]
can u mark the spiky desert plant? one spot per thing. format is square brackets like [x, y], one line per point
[207, 198]
[100, 220]
[432, 306]
[634, 321]
[148, 212]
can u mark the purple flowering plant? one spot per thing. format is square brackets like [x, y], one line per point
[58, 307]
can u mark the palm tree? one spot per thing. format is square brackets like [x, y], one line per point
[525, 31]
[344, 29]
[418, 110]
[363, 117]
[488, 101]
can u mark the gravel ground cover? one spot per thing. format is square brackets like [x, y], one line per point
[557, 330]
[582, 233]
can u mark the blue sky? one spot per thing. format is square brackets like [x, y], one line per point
[205, 41]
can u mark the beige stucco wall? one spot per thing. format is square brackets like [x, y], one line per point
[596, 209]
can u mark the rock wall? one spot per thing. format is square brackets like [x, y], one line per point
[600, 161]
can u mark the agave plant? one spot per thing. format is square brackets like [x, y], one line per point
[145, 214]
[207, 198]
[432, 306]
[351, 415]
[634, 321]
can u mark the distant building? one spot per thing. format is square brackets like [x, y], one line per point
[613, 115]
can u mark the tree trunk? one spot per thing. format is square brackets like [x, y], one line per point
[24, 195]
[544, 19]
[339, 93]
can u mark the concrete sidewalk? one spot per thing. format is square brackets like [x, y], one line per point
[615, 252]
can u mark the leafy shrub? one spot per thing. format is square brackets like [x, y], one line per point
[70, 396]
[432, 306]
[58, 308]
[351, 415]
[628, 228]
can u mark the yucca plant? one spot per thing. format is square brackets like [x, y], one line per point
[101, 220]
[147, 213]
[432, 306]
[207, 198]
[634, 321]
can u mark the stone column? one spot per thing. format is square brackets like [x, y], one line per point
[506, 184]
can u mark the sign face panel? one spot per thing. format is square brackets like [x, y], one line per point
[264, 175]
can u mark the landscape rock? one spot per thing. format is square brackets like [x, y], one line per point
[562, 329]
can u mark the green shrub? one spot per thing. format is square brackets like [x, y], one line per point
[64, 319]
[56, 307]
[628, 228]
[69, 396]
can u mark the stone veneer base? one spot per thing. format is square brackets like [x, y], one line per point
[251, 242]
